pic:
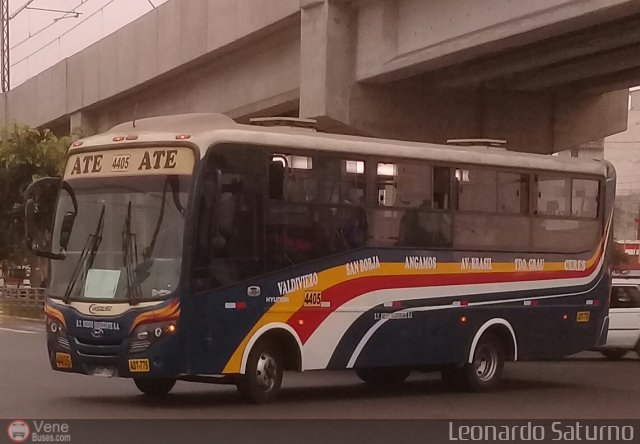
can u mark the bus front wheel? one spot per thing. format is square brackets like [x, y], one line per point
[154, 387]
[484, 372]
[384, 375]
[263, 374]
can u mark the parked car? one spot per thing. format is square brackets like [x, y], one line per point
[624, 318]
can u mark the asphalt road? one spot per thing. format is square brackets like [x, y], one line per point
[585, 386]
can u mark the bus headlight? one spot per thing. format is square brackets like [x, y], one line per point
[58, 333]
[147, 334]
[55, 327]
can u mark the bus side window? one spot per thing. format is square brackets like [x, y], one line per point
[315, 207]
[230, 225]
[276, 177]
[413, 205]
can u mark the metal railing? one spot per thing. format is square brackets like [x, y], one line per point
[26, 302]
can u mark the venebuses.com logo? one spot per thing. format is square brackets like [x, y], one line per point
[38, 430]
[18, 431]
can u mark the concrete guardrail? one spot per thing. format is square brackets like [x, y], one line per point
[24, 302]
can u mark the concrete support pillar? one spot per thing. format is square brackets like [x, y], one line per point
[414, 111]
[581, 119]
[82, 124]
[413, 108]
[326, 62]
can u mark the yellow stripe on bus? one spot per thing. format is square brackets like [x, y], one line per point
[281, 312]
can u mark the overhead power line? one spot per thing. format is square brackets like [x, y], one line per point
[86, 17]
[74, 13]
[53, 23]
[5, 48]
[20, 9]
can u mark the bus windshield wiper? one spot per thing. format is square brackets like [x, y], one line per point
[138, 272]
[175, 190]
[85, 261]
[130, 259]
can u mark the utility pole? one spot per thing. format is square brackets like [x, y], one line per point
[4, 46]
[5, 64]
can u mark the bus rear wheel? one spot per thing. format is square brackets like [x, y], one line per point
[263, 374]
[614, 353]
[484, 373]
[154, 387]
[383, 375]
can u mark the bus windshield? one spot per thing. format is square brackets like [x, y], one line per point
[126, 242]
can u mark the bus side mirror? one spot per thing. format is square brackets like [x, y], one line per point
[66, 229]
[39, 211]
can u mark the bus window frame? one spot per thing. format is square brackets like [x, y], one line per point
[203, 171]
[188, 242]
[555, 175]
[373, 205]
[370, 202]
[601, 180]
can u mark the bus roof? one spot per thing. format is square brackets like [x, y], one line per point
[206, 129]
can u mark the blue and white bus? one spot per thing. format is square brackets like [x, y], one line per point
[194, 248]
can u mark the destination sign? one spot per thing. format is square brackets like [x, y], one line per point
[130, 162]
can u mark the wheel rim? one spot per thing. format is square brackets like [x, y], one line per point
[485, 363]
[266, 372]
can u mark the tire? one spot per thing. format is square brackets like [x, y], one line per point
[484, 373]
[383, 375]
[452, 377]
[614, 354]
[263, 374]
[154, 387]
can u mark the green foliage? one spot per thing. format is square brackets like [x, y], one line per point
[26, 154]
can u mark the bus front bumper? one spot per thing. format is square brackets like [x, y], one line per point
[128, 359]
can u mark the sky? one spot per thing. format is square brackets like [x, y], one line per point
[40, 39]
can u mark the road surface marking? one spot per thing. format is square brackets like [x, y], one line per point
[20, 331]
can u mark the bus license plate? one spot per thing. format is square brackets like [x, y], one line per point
[138, 365]
[105, 372]
[63, 360]
[583, 316]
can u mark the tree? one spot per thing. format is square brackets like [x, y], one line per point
[26, 154]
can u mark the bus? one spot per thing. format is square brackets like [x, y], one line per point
[195, 248]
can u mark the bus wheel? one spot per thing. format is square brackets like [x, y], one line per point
[452, 377]
[484, 372]
[614, 353]
[154, 387]
[383, 375]
[263, 374]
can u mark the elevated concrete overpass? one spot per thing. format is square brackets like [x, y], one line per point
[546, 75]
